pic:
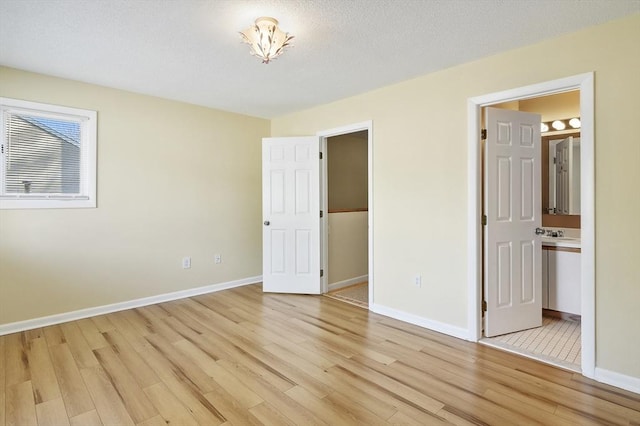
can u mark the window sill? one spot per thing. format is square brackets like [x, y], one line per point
[7, 204]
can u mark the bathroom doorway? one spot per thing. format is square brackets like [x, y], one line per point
[557, 340]
[584, 84]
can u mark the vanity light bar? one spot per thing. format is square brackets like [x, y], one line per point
[557, 125]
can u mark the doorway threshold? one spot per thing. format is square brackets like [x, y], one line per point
[356, 294]
[537, 357]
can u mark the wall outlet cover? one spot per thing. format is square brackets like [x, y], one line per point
[186, 262]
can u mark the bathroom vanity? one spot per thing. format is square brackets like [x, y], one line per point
[561, 274]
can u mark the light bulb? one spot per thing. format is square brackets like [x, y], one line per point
[558, 125]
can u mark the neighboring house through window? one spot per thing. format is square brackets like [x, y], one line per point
[48, 156]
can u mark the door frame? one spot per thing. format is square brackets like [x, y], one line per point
[324, 199]
[585, 84]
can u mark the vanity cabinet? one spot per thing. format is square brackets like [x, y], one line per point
[545, 278]
[561, 279]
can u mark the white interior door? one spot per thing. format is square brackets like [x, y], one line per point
[513, 206]
[291, 215]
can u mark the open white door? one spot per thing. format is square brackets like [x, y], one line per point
[513, 207]
[291, 215]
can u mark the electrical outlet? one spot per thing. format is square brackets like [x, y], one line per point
[186, 262]
[417, 281]
[218, 258]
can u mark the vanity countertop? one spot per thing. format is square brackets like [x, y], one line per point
[561, 242]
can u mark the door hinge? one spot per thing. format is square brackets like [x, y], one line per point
[484, 219]
[484, 306]
[322, 272]
[321, 155]
[483, 134]
[321, 213]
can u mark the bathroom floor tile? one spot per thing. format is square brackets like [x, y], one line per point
[557, 341]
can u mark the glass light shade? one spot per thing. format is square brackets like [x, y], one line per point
[558, 125]
[267, 41]
[575, 123]
[544, 127]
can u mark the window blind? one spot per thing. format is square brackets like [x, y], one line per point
[42, 157]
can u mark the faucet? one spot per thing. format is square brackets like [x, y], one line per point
[550, 232]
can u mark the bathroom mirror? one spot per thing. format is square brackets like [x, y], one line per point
[561, 179]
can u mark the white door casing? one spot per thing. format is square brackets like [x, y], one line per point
[513, 252]
[585, 84]
[291, 215]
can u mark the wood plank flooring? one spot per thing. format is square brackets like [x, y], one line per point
[241, 357]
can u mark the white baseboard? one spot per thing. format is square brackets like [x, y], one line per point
[347, 283]
[459, 332]
[618, 380]
[15, 327]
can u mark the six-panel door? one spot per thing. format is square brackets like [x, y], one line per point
[291, 215]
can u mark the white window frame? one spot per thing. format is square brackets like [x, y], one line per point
[88, 157]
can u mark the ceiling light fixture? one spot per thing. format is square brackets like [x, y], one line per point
[267, 41]
[558, 125]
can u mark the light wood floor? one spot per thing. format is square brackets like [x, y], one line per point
[242, 357]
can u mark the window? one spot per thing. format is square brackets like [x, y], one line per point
[47, 156]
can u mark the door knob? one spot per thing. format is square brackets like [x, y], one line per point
[267, 223]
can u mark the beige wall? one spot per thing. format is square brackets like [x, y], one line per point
[173, 180]
[420, 177]
[348, 246]
[347, 163]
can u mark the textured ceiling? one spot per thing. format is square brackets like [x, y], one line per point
[190, 50]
